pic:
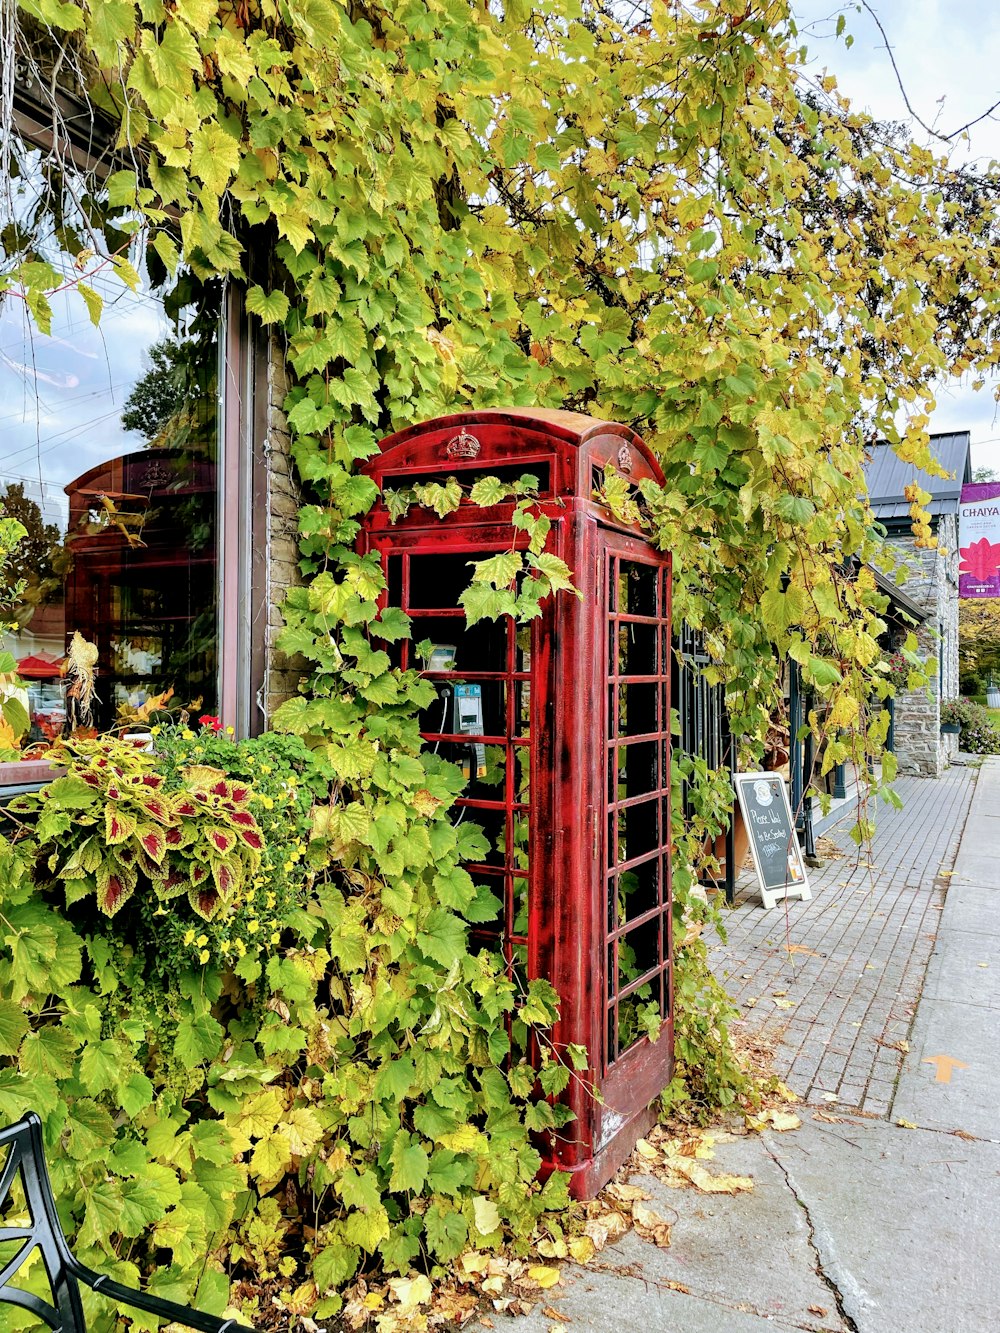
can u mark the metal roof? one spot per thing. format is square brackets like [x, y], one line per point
[887, 475]
[901, 601]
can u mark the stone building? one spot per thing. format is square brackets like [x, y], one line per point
[929, 578]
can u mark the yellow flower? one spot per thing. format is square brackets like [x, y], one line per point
[230, 731]
[267, 802]
[253, 927]
[266, 768]
[288, 866]
[271, 899]
[275, 936]
[155, 731]
[189, 937]
[187, 734]
[204, 956]
[241, 948]
[201, 941]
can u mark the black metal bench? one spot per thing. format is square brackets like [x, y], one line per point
[65, 1273]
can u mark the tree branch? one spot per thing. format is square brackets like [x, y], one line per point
[944, 138]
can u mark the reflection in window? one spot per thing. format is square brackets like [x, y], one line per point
[108, 457]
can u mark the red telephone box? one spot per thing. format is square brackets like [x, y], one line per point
[563, 729]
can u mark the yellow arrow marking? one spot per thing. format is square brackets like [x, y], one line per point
[944, 1064]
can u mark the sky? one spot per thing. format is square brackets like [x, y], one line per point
[61, 397]
[948, 56]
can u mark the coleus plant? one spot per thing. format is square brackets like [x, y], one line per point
[119, 827]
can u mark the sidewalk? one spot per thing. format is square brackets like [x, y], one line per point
[833, 983]
[857, 1223]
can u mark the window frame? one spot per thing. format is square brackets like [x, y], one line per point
[241, 499]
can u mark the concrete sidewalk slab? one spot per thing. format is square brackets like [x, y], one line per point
[931, 1094]
[972, 908]
[878, 1229]
[964, 969]
[904, 1221]
[746, 1262]
[985, 841]
[974, 867]
[717, 1250]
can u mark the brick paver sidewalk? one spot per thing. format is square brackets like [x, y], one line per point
[833, 983]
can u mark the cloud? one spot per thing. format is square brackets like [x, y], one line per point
[62, 396]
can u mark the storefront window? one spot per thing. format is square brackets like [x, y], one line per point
[109, 458]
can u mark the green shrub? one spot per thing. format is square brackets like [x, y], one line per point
[246, 1044]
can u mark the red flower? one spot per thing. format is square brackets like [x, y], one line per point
[207, 720]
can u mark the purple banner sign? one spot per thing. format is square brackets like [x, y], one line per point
[979, 540]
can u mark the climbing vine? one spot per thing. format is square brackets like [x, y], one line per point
[653, 214]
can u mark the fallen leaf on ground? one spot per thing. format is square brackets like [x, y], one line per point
[784, 1004]
[963, 1134]
[582, 1249]
[782, 1121]
[628, 1193]
[903, 1045]
[645, 1149]
[830, 1118]
[710, 1183]
[907, 1124]
[475, 1262]
[542, 1276]
[552, 1249]
[607, 1227]
[651, 1226]
[410, 1291]
[818, 1309]
[550, 1313]
[677, 1286]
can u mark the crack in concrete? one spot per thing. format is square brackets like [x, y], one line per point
[634, 1270]
[849, 1297]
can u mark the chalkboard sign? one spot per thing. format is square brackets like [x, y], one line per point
[776, 855]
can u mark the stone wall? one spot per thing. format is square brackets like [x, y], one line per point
[281, 673]
[932, 582]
